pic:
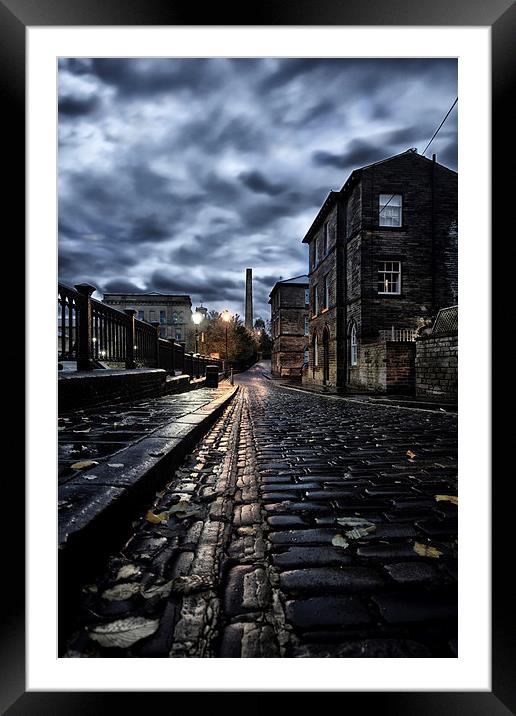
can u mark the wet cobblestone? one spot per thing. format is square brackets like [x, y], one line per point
[313, 528]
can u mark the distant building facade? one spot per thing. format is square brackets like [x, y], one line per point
[383, 261]
[289, 326]
[173, 312]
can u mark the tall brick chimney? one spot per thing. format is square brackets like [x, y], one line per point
[249, 298]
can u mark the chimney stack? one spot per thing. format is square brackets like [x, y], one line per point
[249, 298]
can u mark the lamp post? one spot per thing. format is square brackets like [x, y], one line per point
[226, 317]
[197, 318]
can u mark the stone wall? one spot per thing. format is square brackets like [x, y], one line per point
[384, 366]
[437, 367]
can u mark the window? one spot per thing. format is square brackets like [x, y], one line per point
[306, 357]
[313, 251]
[325, 239]
[152, 316]
[141, 316]
[316, 301]
[306, 325]
[326, 292]
[389, 277]
[178, 335]
[316, 352]
[307, 296]
[162, 317]
[354, 345]
[390, 210]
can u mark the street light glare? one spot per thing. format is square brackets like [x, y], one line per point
[226, 315]
[197, 317]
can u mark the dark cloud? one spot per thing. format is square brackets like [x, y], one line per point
[76, 106]
[359, 153]
[175, 175]
[120, 285]
[257, 182]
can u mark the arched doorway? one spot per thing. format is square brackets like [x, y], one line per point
[326, 355]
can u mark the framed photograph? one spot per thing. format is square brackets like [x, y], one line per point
[167, 152]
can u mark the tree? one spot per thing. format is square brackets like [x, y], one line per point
[263, 337]
[241, 343]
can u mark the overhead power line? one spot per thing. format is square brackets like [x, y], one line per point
[439, 127]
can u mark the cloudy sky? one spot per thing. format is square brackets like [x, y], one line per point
[176, 175]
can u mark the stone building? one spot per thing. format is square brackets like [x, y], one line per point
[174, 313]
[289, 327]
[383, 261]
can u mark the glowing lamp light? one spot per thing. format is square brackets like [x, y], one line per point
[197, 317]
[226, 315]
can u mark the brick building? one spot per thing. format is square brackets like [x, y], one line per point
[383, 261]
[289, 326]
[174, 313]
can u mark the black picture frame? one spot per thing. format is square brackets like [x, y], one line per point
[15, 17]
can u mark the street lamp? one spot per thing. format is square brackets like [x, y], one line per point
[197, 318]
[226, 317]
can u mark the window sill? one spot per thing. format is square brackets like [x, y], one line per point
[325, 310]
[390, 295]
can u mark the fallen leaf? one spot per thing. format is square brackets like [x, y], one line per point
[124, 632]
[181, 506]
[360, 532]
[121, 591]
[189, 584]
[128, 570]
[84, 464]
[158, 590]
[353, 522]
[448, 498]
[115, 464]
[426, 550]
[339, 541]
[156, 519]
[411, 454]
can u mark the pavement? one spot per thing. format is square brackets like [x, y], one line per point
[299, 526]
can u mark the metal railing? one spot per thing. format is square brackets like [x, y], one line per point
[398, 335]
[91, 332]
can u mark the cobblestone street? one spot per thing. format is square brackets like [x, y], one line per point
[302, 525]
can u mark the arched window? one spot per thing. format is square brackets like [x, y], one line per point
[354, 345]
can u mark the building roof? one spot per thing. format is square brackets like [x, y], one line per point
[141, 294]
[296, 280]
[350, 182]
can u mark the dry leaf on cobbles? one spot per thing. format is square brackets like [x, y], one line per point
[339, 541]
[360, 532]
[354, 522]
[426, 550]
[128, 570]
[84, 464]
[447, 498]
[156, 519]
[157, 590]
[189, 584]
[411, 454]
[115, 464]
[124, 632]
[120, 592]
